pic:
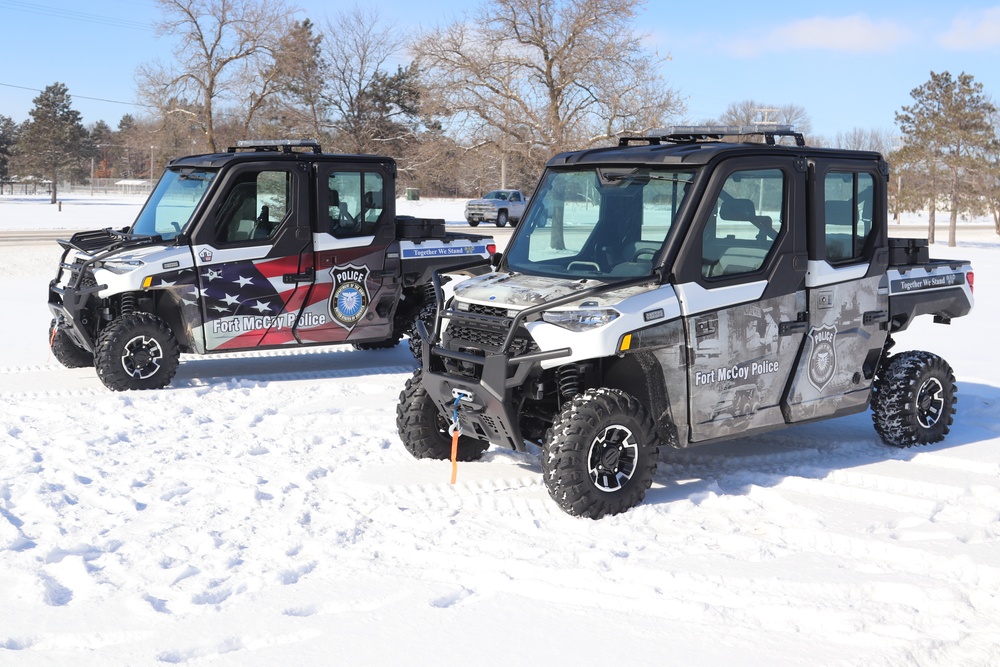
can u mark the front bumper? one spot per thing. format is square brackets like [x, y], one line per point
[74, 291]
[481, 214]
[484, 403]
[478, 380]
[70, 306]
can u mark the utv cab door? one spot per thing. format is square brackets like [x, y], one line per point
[253, 257]
[848, 308]
[741, 288]
[354, 293]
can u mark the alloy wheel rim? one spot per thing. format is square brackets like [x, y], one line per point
[141, 357]
[613, 458]
[930, 403]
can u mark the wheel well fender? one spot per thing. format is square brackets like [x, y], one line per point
[413, 300]
[641, 375]
[169, 306]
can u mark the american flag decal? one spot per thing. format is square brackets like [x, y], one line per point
[247, 304]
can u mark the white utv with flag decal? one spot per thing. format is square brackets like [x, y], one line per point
[272, 244]
[678, 290]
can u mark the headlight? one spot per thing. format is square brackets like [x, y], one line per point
[580, 320]
[120, 266]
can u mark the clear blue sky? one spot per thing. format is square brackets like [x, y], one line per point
[848, 64]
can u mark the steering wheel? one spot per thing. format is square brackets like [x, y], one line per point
[644, 252]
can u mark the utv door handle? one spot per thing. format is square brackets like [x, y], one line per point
[306, 276]
[875, 317]
[791, 328]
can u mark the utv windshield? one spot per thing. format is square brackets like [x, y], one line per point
[172, 203]
[604, 223]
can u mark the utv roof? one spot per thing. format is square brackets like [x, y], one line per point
[274, 149]
[699, 144]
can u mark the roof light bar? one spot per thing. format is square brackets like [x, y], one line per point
[693, 133]
[282, 145]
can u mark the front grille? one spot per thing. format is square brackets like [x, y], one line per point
[492, 311]
[481, 328]
[460, 337]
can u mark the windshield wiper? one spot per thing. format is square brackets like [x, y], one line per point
[642, 176]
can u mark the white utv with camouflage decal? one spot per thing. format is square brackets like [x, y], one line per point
[679, 290]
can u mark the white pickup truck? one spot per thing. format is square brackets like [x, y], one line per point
[498, 206]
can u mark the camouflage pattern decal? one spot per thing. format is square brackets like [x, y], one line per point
[741, 366]
[829, 377]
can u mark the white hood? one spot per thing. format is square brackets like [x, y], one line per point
[519, 291]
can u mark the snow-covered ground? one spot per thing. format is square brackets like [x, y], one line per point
[262, 511]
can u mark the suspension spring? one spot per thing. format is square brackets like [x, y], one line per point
[569, 380]
[128, 303]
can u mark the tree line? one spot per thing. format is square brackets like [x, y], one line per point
[475, 104]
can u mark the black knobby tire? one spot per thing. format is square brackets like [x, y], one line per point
[600, 455]
[66, 352]
[425, 314]
[137, 351]
[424, 430]
[502, 219]
[913, 399]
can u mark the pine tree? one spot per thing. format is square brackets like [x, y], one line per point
[302, 72]
[947, 129]
[8, 134]
[53, 141]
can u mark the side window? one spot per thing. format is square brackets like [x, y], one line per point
[257, 204]
[745, 223]
[355, 201]
[848, 203]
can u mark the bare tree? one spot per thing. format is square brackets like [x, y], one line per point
[749, 113]
[547, 75]
[225, 54]
[373, 109]
[860, 139]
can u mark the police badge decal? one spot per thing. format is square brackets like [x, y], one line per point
[349, 298]
[823, 356]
